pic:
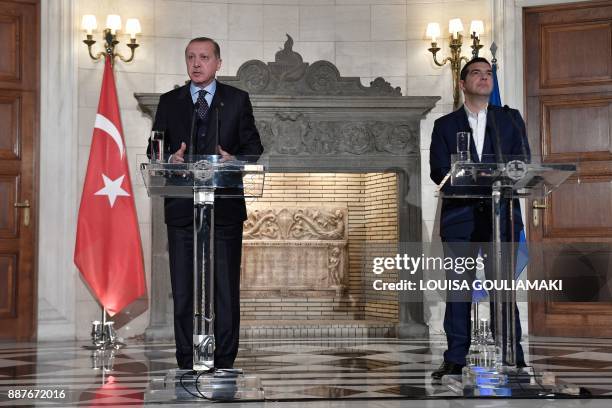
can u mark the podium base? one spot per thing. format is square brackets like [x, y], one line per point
[220, 385]
[503, 381]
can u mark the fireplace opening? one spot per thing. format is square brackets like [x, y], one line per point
[303, 255]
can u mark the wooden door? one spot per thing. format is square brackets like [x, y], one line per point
[568, 88]
[19, 83]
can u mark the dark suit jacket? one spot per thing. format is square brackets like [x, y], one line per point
[237, 136]
[457, 218]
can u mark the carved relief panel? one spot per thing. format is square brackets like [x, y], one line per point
[294, 251]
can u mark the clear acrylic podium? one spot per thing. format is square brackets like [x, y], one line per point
[512, 177]
[203, 178]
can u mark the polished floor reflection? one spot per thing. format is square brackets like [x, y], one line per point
[371, 370]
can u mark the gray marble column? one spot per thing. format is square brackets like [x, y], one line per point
[58, 169]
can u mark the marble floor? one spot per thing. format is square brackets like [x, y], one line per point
[294, 373]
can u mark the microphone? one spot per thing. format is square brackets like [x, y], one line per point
[499, 157]
[217, 124]
[150, 149]
[522, 134]
[192, 135]
[472, 142]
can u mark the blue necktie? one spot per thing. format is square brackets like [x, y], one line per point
[202, 105]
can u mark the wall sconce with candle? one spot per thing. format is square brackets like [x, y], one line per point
[113, 25]
[455, 28]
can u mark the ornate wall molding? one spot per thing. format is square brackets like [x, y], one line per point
[290, 75]
[296, 135]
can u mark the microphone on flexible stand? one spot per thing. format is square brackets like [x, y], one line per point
[472, 142]
[217, 125]
[150, 149]
[499, 157]
[192, 135]
[522, 134]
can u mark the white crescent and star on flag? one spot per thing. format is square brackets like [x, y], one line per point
[112, 188]
[109, 127]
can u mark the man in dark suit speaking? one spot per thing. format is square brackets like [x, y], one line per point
[206, 117]
[496, 134]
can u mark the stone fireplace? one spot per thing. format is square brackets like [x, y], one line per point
[343, 171]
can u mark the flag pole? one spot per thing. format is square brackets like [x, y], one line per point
[106, 55]
[105, 333]
[108, 330]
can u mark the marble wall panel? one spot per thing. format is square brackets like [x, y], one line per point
[388, 23]
[246, 22]
[210, 20]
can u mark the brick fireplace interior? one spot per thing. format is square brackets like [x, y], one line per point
[296, 292]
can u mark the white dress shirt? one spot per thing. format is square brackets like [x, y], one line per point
[478, 123]
[210, 92]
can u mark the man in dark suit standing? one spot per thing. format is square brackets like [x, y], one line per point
[209, 118]
[465, 224]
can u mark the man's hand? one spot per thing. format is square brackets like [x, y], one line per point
[224, 155]
[179, 155]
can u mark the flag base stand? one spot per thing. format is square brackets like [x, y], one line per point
[103, 335]
[106, 339]
[218, 385]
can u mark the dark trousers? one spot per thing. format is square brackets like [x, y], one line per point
[457, 319]
[227, 251]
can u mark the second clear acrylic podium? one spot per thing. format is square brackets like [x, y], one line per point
[204, 178]
[500, 182]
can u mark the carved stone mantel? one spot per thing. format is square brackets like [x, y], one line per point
[311, 119]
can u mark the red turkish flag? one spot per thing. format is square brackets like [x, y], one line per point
[108, 251]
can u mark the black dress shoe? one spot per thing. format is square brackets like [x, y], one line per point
[223, 365]
[447, 368]
[186, 366]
